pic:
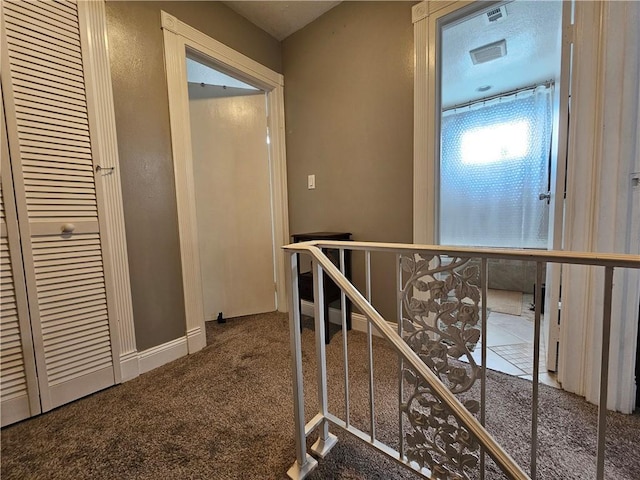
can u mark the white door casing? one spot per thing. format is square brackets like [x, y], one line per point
[233, 204]
[427, 109]
[601, 207]
[178, 37]
[558, 175]
[59, 203]
[102, 124]
[599, 201]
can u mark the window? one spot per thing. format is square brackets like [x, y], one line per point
[494, 165]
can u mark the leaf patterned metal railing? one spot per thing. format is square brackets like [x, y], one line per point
[441, 328]
[441, 311]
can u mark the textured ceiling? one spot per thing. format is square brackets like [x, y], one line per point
[532, 32]
[281, 19]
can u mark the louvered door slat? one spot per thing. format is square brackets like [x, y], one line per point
[54, 133]
[51, 312]
[68, 7]
[41, 19]
[48, 297]
[58, 181]
[7, 295]
[63, 328]
[25, 51]
[67, 162]
[69, 304]
[54, 186]
[60, 282]
[92, 336]
[67, 334]
[69, 174]
[71, 269]
[71, 168]
[36, 18]
[55, 108]
[53, 242]
[12, 356]
[12, 343]
[52, 254]
[78, 210]
[47, 125]
[40, 67]
[70, 152]
[67, 82]
[84, 254]
[57, 14]
[73, 353]
[10, 311]
[44, 141]
[69, 371]
[64, 118]
[40, 90]
[57, 174]
[38, 36]
[30, 44]
[26, 26]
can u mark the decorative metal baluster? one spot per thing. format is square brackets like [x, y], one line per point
[484, 285]
[536, 370]
[326, 440]
[345, 349]
[400, 359]
[372, 404]
[604, 370]
[440, 326]
[304, 462]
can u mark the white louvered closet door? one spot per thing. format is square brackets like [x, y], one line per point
[57, 199]
[18, 382]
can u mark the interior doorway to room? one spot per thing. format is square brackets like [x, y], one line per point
[500, 73]
[233, 192]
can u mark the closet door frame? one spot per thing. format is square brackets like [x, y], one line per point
[92, 28]
[104, 144]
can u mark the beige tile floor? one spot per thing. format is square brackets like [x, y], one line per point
[510, 345]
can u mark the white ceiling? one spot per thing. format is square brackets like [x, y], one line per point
[281, 19]
[532, 32]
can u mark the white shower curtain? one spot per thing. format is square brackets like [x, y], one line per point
[494, 165]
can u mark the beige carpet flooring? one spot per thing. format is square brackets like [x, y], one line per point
[226, 413]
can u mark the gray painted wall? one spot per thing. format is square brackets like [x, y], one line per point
[349, 114]
[142, 122]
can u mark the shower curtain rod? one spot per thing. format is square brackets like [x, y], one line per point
[546, 84]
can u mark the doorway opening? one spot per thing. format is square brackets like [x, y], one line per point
[233, 191]
[182, 42]
[499, 77]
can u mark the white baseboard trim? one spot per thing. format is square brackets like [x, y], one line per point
[160, 355]
[129, 365]
[358, 321]
[196, 339]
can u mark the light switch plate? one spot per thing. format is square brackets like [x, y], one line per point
[311, 182]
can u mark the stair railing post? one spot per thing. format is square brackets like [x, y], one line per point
[304, 463]
[604, 371]
[326, 440]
